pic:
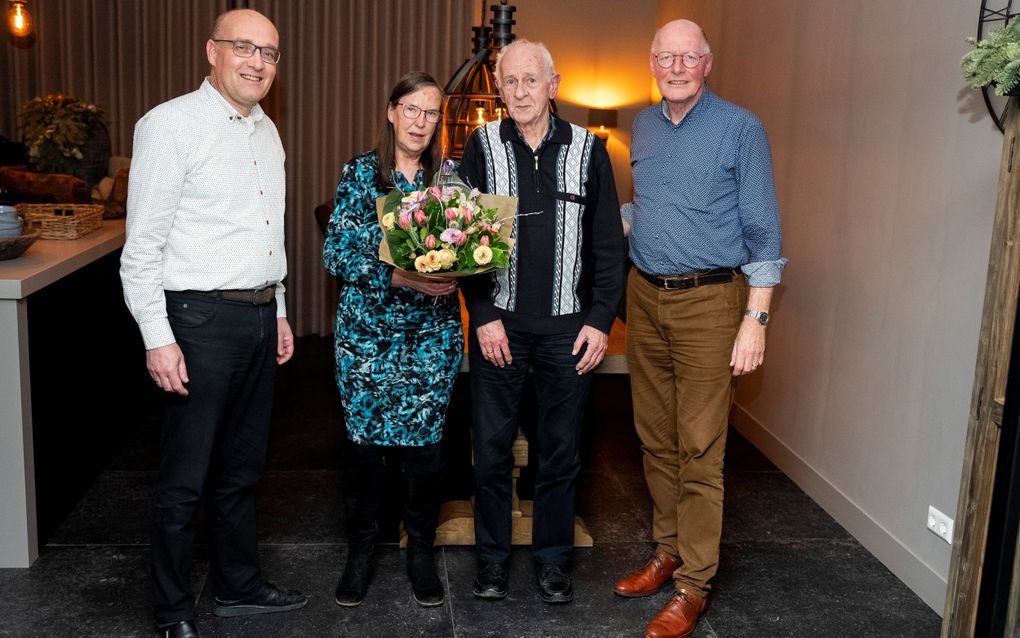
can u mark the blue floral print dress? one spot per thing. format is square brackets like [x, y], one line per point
[397, 351]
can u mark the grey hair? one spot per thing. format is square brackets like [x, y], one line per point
[543, 52]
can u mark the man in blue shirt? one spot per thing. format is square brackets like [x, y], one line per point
[705, 243]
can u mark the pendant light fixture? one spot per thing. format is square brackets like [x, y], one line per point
[19, 20]
[472, 98]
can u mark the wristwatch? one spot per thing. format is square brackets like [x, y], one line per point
[758, 315]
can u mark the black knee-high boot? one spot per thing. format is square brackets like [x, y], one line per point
[363, 490]
[423, 471]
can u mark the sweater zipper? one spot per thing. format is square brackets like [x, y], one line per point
[538, 177]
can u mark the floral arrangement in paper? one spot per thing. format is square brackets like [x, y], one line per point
[446, 229]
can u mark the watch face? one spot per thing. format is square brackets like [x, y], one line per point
[763, 318]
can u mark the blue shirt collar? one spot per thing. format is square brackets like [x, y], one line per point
[706, 99]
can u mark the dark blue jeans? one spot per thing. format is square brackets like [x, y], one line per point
[561, 396]
[213, 445]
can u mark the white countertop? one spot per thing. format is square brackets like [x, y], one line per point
[48, 260]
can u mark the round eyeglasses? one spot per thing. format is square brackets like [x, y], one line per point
[690, 59]
[245, 49]
[412, 112]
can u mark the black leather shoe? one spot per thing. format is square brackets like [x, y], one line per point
[267, 600]
[182, 629]
[425, 583]
[491, 582]
[353, 585]
[555, 584]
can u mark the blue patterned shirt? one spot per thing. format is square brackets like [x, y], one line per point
[704, 196]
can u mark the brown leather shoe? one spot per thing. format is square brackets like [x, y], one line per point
[679, 617]
[649, 579]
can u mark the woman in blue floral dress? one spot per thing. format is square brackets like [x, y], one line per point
[398, 344]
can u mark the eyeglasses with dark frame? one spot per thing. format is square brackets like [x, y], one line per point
[690, 59]
[245, 49]
[412, 112]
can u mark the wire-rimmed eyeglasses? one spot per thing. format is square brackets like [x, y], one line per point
[245, 49]
[690, 59]
[412, 112]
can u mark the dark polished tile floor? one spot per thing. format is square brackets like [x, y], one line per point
[787, 568]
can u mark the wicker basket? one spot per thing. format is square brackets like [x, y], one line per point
[82, 220]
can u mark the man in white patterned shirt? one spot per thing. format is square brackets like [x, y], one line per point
[201, 270]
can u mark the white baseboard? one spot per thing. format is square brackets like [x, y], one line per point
[892, 553]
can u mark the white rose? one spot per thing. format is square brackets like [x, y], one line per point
[482, 255]
[446, 257]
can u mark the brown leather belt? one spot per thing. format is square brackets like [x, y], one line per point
[254, 296]
[692, 279]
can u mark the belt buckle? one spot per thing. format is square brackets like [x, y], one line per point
[678, 283]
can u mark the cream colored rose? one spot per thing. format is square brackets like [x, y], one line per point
[482, 255]
[420, 265]
[432, 261]
[446, 257]
[389, 220]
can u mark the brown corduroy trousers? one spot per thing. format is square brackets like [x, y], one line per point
[679, 344]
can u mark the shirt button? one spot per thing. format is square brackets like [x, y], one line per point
[260, 192]
[255, 162]
[267, 222]
[270, 252]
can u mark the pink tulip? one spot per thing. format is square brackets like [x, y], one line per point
[420, 217]
[462, 239]
[405, 221]
[484, 240]
[430, 242]
[469, 213]
[451, 214]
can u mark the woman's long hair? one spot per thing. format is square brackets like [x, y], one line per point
[432, 156]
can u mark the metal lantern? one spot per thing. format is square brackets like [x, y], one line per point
[472, 98]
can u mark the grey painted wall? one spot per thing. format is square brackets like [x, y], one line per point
[886, 167]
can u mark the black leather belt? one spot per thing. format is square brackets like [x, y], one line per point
[692, 279]
[254, 296]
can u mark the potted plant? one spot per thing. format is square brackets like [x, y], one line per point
[63, 134]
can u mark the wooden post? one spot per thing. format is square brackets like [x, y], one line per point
[987, 399]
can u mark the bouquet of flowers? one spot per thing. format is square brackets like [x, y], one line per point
[447, 230]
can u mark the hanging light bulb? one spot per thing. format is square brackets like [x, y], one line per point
[19, 20]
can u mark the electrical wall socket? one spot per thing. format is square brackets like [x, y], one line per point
[940, 524]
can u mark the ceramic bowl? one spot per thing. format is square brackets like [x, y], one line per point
[11, 247]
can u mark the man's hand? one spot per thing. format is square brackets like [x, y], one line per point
[284, 341]
[432, 286]
[494, 344]
[597, 341]
[167, 369]
[748, 348]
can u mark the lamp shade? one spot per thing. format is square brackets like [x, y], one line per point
[602, 117]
